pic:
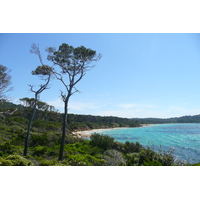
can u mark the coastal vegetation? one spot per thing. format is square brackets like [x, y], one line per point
[99, 150]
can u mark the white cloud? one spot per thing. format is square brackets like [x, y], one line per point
[127, 106]
[126, 110]
[79, 106]
[178, 111]
[58, 103]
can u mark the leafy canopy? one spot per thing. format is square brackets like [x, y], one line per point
[72, 60]
[5, 81]
[42, 70]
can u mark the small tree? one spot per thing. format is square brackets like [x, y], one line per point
[74, 62]
[45, 72]
[5, 82]
[102, 141]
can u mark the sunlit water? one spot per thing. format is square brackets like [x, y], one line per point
[184, 138]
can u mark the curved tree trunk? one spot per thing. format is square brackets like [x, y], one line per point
[29, 126]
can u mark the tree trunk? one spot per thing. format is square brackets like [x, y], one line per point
[64, 130]
[29, 127]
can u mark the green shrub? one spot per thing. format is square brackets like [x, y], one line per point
[165, 158]
[18, 160]
[152, 163]
[131, 147]
[119, 146]
[132, 159]
[81, 148]
[40, 150]
[16, 120]
[102, 141]
[83, 160]
[52, 127]
[2, 127]
[38, 140]
[196, 164]
[4, 162]
[45, 162]
[70, 139]
[17, 140]
[7, 148]
[38, 124]
[146, 155]
[150, 157]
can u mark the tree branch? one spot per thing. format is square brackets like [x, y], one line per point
[8, 112]
[59, 77]
[35, 49]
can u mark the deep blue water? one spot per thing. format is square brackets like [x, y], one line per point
[184, 138]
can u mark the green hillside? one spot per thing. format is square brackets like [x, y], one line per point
[44, 143]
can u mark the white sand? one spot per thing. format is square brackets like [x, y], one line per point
[88, 133]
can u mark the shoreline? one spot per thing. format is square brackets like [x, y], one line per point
[145, 125]
[87, 133]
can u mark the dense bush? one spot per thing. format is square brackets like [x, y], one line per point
[152, 163]
[45, 162]
[119, 146]
[52, 138]
[83, 160]
[102, 141]
[132, 159]
[7, 148]
[70, 139]
[81, 148]
[16, 120]
[40, 150]
[38, 139]
[4, 162]
[132, 147]
[15, 160]
[196, 164]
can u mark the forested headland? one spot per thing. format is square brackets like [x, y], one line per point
[183, 119]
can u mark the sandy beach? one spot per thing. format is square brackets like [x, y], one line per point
[87, 134]
[145, 125]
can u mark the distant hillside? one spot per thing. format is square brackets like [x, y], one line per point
[184, 119]
[77, 121]
[9, 105]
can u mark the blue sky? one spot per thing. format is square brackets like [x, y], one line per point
[139, 74]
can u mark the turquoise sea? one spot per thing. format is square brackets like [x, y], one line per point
[184, 138]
